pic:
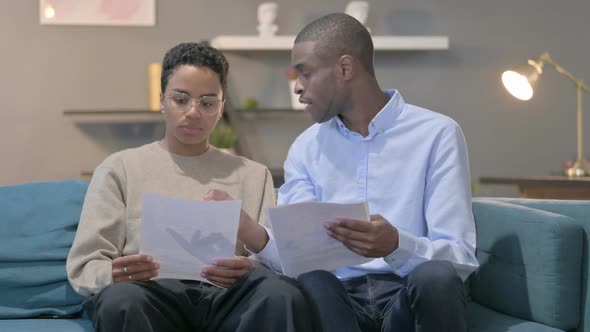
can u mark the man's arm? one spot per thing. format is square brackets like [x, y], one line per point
[447, 210]
[298, 187]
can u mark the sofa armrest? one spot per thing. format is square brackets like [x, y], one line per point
[530, 263]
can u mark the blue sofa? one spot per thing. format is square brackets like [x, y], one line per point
[533, 255]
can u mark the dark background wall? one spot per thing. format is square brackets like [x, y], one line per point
[48, 69]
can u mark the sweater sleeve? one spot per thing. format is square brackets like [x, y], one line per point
[101, 232]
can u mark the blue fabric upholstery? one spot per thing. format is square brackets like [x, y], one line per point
[527, 280]
[38, 222]
[482, 319]
[530, 263]
[46, 325]
[580, 212]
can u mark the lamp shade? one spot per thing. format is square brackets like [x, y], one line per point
[521, 80]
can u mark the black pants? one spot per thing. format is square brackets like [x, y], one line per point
[431, 298]
[259, 301]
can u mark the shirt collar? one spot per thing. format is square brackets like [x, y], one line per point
[383, 120]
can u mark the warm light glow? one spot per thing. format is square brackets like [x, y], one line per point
[517, 85]
[49, 12]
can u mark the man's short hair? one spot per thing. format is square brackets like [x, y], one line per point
[198, 55]
[339, 34]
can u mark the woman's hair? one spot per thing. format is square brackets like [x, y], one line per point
[198, 55]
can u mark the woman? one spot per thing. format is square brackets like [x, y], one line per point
[104, 263]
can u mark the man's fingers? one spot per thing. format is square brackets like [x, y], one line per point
[360, 247]
[353, 224]
[347, 233]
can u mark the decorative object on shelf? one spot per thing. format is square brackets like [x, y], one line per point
[358, 10]
[154, 76]
[250, 103]
[98, 12]
[291, 75]
[267, 13]
[223, 137]
[520, 82]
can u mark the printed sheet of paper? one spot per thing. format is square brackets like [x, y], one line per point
[302, 241]
[184, 236]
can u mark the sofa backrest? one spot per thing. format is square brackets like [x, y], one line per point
[533, 256]
[38, 222]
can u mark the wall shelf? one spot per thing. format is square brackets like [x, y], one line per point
[285, 43]
[114, 116]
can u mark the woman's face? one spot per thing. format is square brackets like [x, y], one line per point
[188, 125]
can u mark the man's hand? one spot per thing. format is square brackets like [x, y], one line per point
[249, 231]
[376, 238]
[225, 272]
[134, 267]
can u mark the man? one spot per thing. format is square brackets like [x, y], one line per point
[409, 163]
[104, 262]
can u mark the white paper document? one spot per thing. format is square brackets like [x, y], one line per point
[302, 241]
[184, 236]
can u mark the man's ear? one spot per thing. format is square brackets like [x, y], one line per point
[346, 67]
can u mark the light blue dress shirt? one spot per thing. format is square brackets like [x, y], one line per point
[412, 168]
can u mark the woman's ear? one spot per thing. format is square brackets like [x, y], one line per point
[221, 112]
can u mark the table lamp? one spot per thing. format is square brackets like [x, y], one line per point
[520, 82]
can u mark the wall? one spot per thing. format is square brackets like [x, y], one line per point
[48, 69]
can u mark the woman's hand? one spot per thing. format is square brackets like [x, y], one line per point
[225, 272]
[134, 267]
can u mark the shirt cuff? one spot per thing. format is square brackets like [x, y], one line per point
[406, 249]
[269, 255]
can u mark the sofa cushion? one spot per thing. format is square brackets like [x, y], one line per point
[482, 319]
[580, 211]
[46, 325]
[38, 222]
[530, 263]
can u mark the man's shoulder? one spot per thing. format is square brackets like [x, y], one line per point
[429, 118]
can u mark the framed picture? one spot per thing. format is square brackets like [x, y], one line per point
[98, 12]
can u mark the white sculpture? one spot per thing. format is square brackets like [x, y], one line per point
[358, 10]
[267, 13]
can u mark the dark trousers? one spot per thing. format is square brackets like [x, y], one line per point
[259, 301]
[430, 298]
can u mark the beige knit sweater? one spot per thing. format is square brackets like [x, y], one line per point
[111, 216]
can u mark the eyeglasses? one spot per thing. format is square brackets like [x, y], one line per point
[182, 103]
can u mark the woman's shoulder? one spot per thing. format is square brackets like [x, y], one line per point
[120, 158]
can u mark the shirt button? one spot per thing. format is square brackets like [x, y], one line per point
[361, 181]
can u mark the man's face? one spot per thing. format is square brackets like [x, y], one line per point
[317, 83]
[188, 132]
